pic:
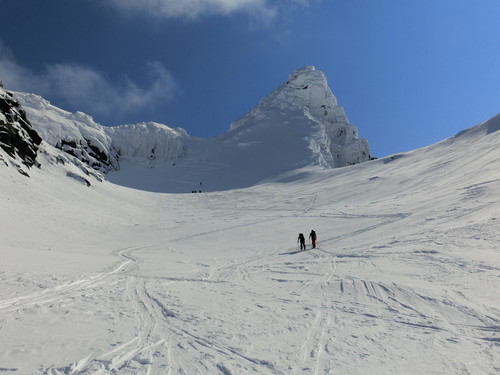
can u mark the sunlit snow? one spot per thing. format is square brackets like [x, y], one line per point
[111, 280]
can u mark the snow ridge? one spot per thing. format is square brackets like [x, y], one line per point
[74, 133]
[98, 146]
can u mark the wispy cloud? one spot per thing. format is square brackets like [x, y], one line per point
[86, 89]
[265, 10]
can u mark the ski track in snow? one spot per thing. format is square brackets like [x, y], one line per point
[263, 310]
[404, 280]
[349, 317]
[51, 295]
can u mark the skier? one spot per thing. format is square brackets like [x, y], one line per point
[312, 236]
[302, 241]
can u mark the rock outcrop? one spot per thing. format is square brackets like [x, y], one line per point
[17, 137]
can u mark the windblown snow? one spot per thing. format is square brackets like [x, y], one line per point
[111, 280]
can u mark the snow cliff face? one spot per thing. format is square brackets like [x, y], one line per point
[101, 147]
[333, 140]
[18, 139]
[148, 142]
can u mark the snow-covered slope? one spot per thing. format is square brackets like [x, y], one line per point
[299, 124]
[405, 278]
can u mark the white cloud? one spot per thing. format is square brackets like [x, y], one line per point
[86, 89]
[192, 9]
[260, 12]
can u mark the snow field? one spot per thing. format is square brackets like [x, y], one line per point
[109, 280]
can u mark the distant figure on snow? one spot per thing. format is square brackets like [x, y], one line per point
[302, 241]
[312, 236]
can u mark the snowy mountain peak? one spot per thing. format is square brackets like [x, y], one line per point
[306, 94]
[306, 88]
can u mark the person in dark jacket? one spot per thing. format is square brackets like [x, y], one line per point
[312, 236]
[302, 241]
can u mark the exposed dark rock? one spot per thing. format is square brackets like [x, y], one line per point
[86, 152]
[97, 153]
[79, 178]
[17, 136]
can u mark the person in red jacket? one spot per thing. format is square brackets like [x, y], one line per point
[312, 236]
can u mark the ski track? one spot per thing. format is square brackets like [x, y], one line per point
[59, 292]
[349, 317]
[317, 343]
[162, 346]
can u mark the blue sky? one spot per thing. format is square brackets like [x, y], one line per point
[409, 73]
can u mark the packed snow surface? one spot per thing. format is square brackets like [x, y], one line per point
[405, 279]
